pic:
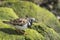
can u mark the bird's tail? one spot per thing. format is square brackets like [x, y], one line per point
[7, 22]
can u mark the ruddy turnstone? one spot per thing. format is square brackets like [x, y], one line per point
[21, 23]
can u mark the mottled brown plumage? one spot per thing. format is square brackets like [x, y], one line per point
[20, 24]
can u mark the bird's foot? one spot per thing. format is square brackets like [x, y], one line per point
[25, 33]
[17, 31]
[22, 32]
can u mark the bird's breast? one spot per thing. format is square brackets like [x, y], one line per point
[21, 27]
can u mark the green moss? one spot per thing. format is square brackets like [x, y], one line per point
[48, 26]
[8, 33]
[24, 8]
[33, 35]
[47, 32]
[7, 13]
[11, 0]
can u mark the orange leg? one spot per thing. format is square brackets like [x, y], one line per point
[24, 32]
[20, 31]
[17, 30]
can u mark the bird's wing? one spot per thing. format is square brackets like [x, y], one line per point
[20, 21]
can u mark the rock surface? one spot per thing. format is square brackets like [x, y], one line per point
[47, 28]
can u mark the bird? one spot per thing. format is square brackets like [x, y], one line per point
[21, 24]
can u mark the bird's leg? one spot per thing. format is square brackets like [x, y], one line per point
[17, 31]
[22, 31]
[25, 33]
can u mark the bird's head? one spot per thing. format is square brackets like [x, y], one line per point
[33, 19]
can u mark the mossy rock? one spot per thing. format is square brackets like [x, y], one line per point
[47, 32]
[11, 0]
[9, 33]
[7, 13]
[48, 28]
[24, 8]
[33, 35]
